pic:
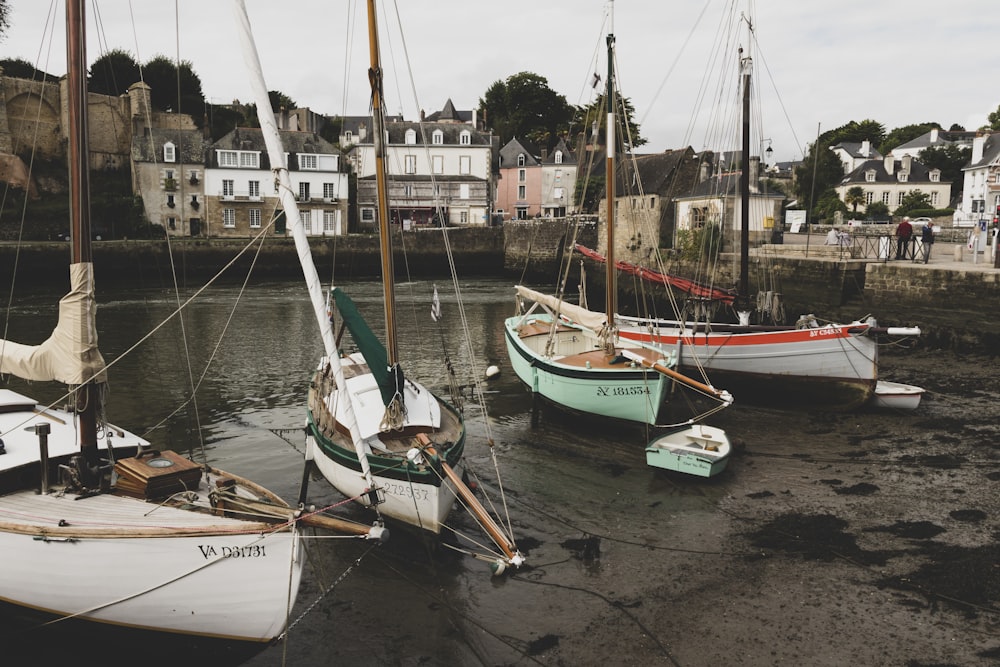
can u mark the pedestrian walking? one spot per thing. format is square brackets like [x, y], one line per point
[903, 233]
[927, 240]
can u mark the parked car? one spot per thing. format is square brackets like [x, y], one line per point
[919, 222]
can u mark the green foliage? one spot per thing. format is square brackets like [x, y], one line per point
[524, 106]
[901, 135]
[828, 170]
[4, 16]
[113, 73]
[877, 211]
[584, 117]
[912, 201]
[280, 101]
[994, 119]
[696, 244]
[855, 197]
[589, 192]
[931, 212]
[331, 129]
[828, 205]
[22, 69]
[223, 120]
[856, 132]
[164, 78]
[950, 159]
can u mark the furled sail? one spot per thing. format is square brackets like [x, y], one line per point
[390, 380]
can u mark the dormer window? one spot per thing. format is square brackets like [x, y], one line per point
[558, 157]
[465, 138]
[904, 176]
[437, 138]
[308, 161]
[520, 159]
[935, 176]
[870, 176]
[169, 152]
[410, 137]
[348, 137]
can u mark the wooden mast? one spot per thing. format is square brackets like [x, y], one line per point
[385, 241]
[87, 396]
[742, 303]
[611, 295]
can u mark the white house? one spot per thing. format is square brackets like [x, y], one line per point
[852, 153]
[981, 191]
[889, 180]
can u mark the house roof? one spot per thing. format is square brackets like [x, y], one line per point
[991, 152]
[515, 147]
[148, 146]
[938, 138]
[449, 114]
[353, 124]
[854, 149]
[567, 155]
[252, 139]
[919, 173]
[451, 132]
[655, 171]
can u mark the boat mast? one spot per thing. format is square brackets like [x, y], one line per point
[385, 242]
[87, 396]
[742, 304]
[611, 285]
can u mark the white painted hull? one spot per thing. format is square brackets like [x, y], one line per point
[897, 396]
[695, 450]
[837, 364]
[622, 391]
[423, 506]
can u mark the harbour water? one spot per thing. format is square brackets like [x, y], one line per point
[626, 564]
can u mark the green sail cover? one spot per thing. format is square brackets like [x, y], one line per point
[390, 381]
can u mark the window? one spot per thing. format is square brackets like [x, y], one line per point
[169, 174]
[558, 175]
[411, 164]
[227, 188]
[410, 137]
[407, 190]
[870, 196]
[228, 158]
[438, 164]
[303, 192]
[308, 161]
[698, 217]
[330, 221]
[348, 137]
[437, 137]
[899, 197]
[465, 138]
[885, 198]
[521, 175]
[245, 159]
[463, 191]
[170, 201]
[520, 159]
[464, 164]
[521, 192]
[557, 193]
[934, 199]
[329, 191]
[652, 203]
[304, 220]
[870, 176]
[904, 176]
[935, 176]
[463, 217]
[249, 159]
[437, 190]
[169, 152]
[229, 217]
[557, 158]
[253, 190]
[254, 218]
[171, 223]
[367, 215]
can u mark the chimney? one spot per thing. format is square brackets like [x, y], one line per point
[977, 147]
[934, 135]
[890, 164]
[704, 170]
[866, 148]
[545, 153]
[362, 132]
[907, 163]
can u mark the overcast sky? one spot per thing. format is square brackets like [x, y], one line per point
[898, 62]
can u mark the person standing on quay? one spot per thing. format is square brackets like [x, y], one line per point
[927, 240]
[903, 233]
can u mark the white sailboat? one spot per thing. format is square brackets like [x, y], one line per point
[574, 357]
[832, 364]
[377, 436]
[95, 526]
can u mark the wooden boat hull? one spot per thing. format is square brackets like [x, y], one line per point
[413, 493]
[588, 384]
[897, 396]
[697, 450]
[836, 366]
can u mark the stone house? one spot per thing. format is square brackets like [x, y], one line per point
[240, 195]
[889, 180]
[168, 173]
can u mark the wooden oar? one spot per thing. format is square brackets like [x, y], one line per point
[657, 366]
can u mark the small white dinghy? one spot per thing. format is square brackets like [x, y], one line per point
[897, 395]
[696, 450]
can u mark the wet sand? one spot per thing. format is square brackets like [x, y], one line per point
[833, 538]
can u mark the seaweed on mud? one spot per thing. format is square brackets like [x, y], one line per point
[760, 494]
[963, 576]
[832, 482]
[542, 644]
[912, 530]
[970, 516]
[940, 461]
[814, 537]
[587, 549]
[860, 489]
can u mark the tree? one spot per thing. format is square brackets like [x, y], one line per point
[280, 101]
[113, 73]
[22, 69]
[903, 134]
[166, 80]
[950, 159]
[825, 168]
[855, 132]
[914, 200]
[855, 197]
[877, 210]
[584, 117]
[524, 106]
[4, 17]
[994, 119]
